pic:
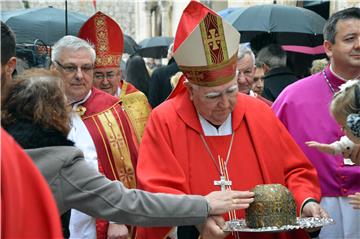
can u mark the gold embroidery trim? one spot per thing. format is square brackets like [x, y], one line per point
[137, 109]
[213, 38]
[106, 149]
[211, 76]
[123, 91]
[119, 148]
[101, 35]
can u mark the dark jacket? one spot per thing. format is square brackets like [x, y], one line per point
[159, 85]
[276, 80]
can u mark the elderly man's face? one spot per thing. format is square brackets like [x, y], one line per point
[214, 103]
[76, 68]
[245, 78]
[107, 79]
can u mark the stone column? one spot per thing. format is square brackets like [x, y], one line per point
[148, 23]
[165, 17]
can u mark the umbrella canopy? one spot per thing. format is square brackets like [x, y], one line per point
[46, 24]
[279, 18]
[233, 14]
[223, 13]
[130, 45]
[273, 23]
[155, 47]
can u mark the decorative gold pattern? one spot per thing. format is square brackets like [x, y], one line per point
[137, 109]
[212, 33]
[119, 148]
[212, 75]
[101, 34]
[102, 44]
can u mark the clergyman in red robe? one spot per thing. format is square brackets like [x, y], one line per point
[208, 130]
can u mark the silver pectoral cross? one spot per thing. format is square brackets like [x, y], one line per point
[223, 183]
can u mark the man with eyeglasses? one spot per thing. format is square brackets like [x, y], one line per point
[208, 135]
[99, 128]
[109, 48]
[245, 67]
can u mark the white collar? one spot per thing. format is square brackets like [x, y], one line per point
[118, 92]
[75, 105]
[210, 130]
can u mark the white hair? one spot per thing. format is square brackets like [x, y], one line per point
[244, 49]
[72, 43]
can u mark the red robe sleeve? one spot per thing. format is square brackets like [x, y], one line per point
[169, 175]
[28, 209]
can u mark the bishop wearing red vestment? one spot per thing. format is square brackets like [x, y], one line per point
[208, 128]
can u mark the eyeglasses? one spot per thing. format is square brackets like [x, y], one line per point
[72, 69]
[215, 96]
[101, 76]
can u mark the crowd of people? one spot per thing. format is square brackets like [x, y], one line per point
[91, 153]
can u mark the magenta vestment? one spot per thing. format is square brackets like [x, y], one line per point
[303, 107]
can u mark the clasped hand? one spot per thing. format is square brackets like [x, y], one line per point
[222, 202]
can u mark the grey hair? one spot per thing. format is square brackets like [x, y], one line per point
[245, 50]
[330, 25]
[72, 43]
[272, 55]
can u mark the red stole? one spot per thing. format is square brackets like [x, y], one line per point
[115, 148]
[263, 152]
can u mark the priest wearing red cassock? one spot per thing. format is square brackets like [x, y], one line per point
[99, 126]
[208, 130]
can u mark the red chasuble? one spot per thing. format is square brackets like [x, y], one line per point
[28, 209]
[115, 146]
[173, 158]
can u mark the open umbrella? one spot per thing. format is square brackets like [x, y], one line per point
[130, 45]
[223, 13]
[281, 24]
[232, 14]
[155, 47]
[46, 24]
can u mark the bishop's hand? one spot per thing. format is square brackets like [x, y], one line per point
[212, 228]
[313, 209]
[221, 202]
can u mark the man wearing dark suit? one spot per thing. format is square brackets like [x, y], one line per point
[277, 74]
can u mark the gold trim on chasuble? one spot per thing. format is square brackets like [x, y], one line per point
[118, 146]
[137, 109]
[123, 91]
[102, 40]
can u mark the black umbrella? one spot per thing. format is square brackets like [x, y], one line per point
[155, 47]
[130, 45]
[46, 24]
[279, 24]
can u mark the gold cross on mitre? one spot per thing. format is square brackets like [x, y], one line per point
[213, 38]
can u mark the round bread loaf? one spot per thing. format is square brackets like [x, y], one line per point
[273, 206]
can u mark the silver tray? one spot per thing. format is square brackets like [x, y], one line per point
[239, 225]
